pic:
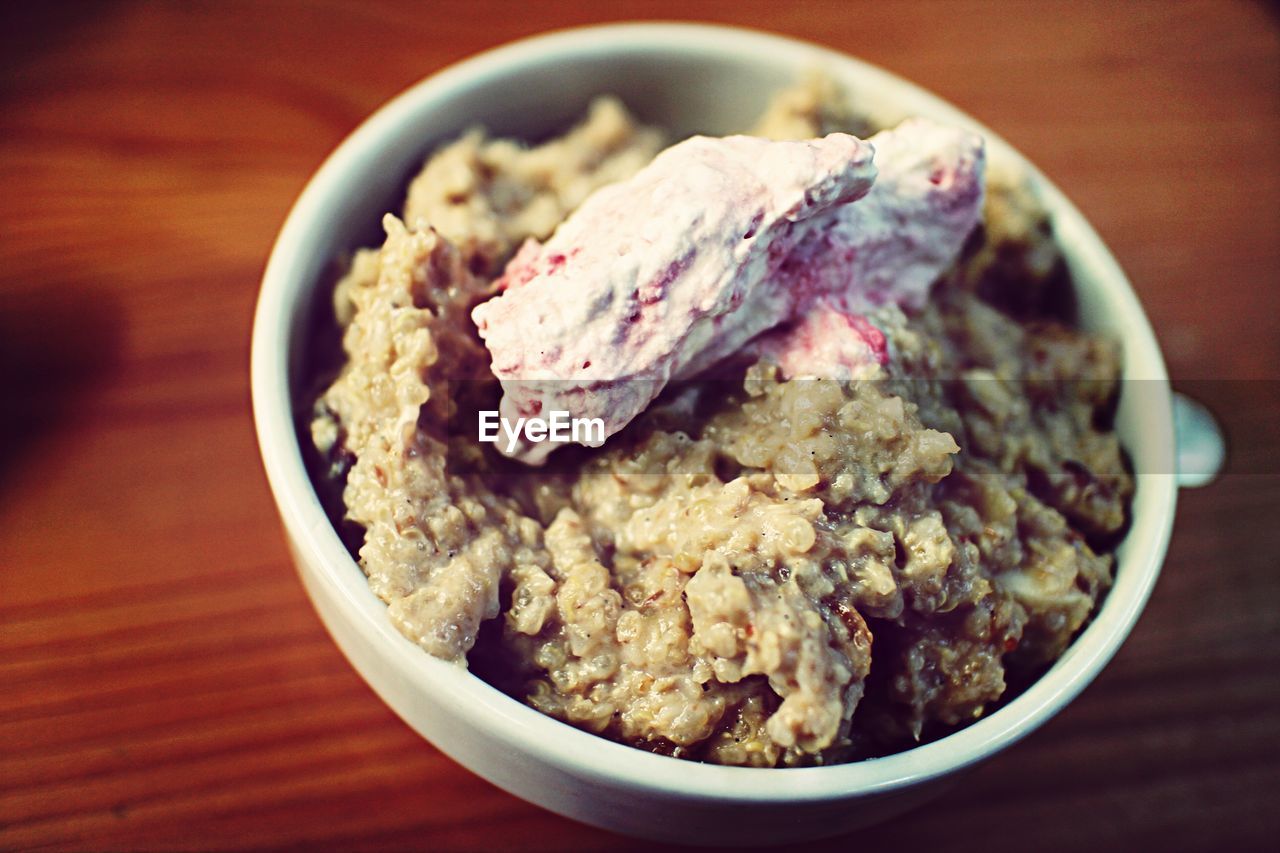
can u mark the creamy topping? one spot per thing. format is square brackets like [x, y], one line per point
[888, 248]
[716, 242]
[826, 342]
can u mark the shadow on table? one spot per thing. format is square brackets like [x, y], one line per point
[29, 30]
[56, 344]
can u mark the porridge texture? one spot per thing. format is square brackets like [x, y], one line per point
[488, 195]
[757, 570]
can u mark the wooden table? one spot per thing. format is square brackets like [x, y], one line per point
[165, 682]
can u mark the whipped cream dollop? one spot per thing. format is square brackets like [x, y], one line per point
[723, 246]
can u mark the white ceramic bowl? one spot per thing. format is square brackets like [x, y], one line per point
[688, 78]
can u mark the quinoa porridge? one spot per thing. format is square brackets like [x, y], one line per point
[832, 526]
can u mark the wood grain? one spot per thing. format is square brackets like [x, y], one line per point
[165, 683]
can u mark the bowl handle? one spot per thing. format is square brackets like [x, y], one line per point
[1199, 446]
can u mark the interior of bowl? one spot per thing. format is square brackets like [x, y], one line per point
[690, 79]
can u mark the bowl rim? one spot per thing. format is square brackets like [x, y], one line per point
[561, 745]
